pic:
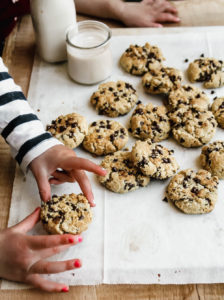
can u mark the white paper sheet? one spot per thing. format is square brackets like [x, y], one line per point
[135, 237]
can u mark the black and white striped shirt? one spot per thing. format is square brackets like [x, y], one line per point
[19, 125]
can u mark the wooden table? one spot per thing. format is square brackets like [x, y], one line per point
[18, 55]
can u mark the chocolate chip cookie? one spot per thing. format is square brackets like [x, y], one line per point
[192, 128]
[218, 110]
[207, 70]
[162, 81]
[193, 192]
[190, 96]
[138, 60]
[122, 176]
[150, 122]
[69, 129]
[69, 213]
[154, 160]
[105, 136]
[114, 99]
[212, 158]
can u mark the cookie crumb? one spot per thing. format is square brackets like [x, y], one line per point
[186, 60]
[202, 55]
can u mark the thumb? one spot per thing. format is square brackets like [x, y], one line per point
[29, 222]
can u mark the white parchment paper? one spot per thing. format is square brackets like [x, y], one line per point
[135, 237]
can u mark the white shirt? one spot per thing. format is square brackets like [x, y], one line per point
[19, 125]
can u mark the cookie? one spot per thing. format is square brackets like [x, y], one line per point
[122, 176]
[192, 128]
[69, 213]
[216, 80]
[105, 136]
[162, 81]
[218, 110]
[69, 129]
[190, 96]
[150, 122]
[212, 158]
[114, 99]
[154, 160]
[193, 192]
[207, 70]
[138, 60]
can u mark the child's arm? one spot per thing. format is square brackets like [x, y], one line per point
[32, 146]
[148, 13]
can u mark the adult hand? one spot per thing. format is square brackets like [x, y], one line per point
[22, 257]
[148, 13]
[46, 169]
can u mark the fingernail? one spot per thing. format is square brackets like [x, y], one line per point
[77, 263]
[177, 19]
[71, 240]
[36, 209]
[65, 289]
[80, 239]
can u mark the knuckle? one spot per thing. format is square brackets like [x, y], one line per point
[55, 250]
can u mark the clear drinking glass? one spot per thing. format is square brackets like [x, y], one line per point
[88, 52]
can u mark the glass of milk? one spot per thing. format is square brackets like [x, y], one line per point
[88, 52]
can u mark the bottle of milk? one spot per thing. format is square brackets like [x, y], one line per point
[51, 19]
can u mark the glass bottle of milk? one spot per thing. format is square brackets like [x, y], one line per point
[51, 19]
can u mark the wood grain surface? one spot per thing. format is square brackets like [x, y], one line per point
[18, 55]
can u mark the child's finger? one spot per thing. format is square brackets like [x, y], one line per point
[85, 186]
[47, 252]
[78, 163]
[62, 176]
[46, 285]
[55, 181]
[47, 267]
[49, 241]
[43, 186]
[29, 222]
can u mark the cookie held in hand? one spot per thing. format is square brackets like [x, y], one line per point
[69, 213]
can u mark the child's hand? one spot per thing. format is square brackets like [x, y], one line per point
[148, 13]
[22, 257]
[61, 157]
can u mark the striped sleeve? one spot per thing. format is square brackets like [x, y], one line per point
[19, 125]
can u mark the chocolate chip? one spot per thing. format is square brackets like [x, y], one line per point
[186, 60]
[166, 160]
[114, 169]
[212, 92]
[182, 140]
[62, 128]
[195, 190]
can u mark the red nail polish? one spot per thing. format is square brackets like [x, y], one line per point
[80, 239]
[71, 240]
[65, 289]
[77, 263]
